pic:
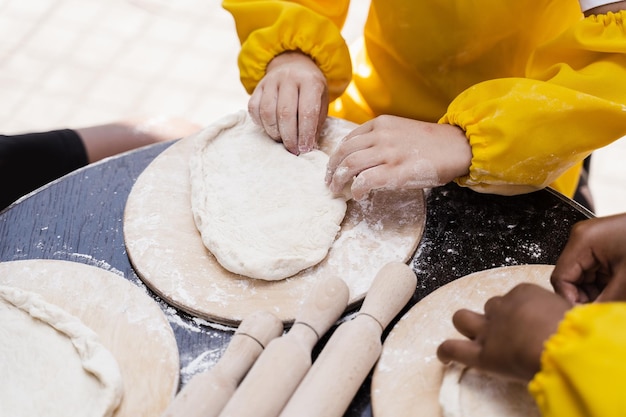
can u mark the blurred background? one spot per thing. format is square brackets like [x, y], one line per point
[75, 63]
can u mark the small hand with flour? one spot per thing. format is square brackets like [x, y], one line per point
[508, 339]
[291, 101]
[592, 266]
[391, 152]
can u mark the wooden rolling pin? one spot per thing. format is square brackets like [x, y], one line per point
[206, 393]
[282, 365]
[353, 349]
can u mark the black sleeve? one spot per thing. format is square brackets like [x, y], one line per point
[28, 161]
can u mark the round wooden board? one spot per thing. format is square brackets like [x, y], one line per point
[129, 323]
[408, 375]
[167, 252]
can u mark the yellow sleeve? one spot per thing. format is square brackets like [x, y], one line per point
[268, 28]
[582, 366]
[526, 132]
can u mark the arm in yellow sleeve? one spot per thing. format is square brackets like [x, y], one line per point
[582, 365]
[526, 132]
[268, 28]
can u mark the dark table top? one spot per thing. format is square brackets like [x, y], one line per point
[80, 218]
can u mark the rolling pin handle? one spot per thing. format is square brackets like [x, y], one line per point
[207, 392]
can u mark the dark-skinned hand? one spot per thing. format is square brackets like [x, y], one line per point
[509, 338]
[592, 266]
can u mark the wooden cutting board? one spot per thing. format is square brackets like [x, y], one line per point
[408, 375]
[129, 323]
[166, 250]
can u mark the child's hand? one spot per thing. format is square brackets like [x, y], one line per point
[392, 152]
[508, 339]
[291, 101]
[592, 266]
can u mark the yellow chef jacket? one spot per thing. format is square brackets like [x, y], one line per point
[535, 86]
[582, 366]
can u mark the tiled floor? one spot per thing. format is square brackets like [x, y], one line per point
[82, 62]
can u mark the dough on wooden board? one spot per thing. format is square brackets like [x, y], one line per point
[261, 211]
[466, 392]
[167, 252]
[51, 363]
[408, 377]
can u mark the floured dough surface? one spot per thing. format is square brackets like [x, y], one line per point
[167, 252]
[408, 377]
[51, 363]
[467, 392]
[128, 322]
[262, 212]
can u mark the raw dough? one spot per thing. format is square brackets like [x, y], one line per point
[166, 249]
[467, 392]
[51, 363]
[262, 212]
[129, 322]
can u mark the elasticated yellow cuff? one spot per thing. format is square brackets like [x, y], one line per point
[522, 136]
[582, 366]
[293, 27]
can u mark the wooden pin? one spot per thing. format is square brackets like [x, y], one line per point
[284, 362]
[206, 393]
[353, 349]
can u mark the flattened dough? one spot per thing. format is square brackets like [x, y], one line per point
[262, 212]
[51, 363]
[165, 247]
[128, 322]
[468, 392]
